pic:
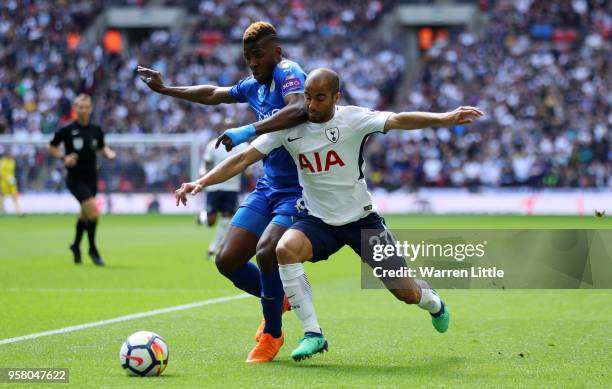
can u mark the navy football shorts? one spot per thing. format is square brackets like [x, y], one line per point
[221, 201]
[327, 239]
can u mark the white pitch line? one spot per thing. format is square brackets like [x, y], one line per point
[124, 318]
[111, 290]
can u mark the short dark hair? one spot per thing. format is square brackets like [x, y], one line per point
[329, 76]
[257, 31]
[81, 97]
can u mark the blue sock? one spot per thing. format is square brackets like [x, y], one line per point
[272, 302]
[247, 278]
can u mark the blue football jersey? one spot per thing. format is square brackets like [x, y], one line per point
[265, 100]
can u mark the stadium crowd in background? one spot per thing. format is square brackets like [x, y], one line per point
[541, 72]
[538, 70]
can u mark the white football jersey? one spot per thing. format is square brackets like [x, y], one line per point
[330, 164]
[215, 157]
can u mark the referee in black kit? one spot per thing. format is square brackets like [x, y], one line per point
[82, 140]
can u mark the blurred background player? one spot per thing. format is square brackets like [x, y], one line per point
[8, 182]
[82, 140]
[222, 198]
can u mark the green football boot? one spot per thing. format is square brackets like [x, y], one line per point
[441, 320]
[312, 343]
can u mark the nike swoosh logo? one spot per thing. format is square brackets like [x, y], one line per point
[288, 297]
[138, 360]
[291, 140]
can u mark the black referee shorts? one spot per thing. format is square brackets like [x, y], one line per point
[82, 189]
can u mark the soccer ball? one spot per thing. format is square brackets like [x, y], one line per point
[144, 353]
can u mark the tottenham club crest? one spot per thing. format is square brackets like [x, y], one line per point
[333, 134]
[300, 206]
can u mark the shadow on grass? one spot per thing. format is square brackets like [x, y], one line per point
[115, 265]
[148, 379]
[447, 365]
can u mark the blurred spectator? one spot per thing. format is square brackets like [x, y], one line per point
[541, 72]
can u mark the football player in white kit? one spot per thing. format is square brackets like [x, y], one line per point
[328, 152]
[221, 198]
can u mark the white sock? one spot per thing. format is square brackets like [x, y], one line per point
[297, 289]
[222, 228]
[430, 301]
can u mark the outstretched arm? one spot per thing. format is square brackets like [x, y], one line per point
[416, 120]
[291, 115]
[220, 173]
[202, 94]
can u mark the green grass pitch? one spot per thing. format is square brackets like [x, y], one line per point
[511, 338]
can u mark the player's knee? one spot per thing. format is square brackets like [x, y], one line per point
[266, 247]
[90, 211]
[226, 261]
[285, 253]
[93, 217]
[266, 256]
[223, 263]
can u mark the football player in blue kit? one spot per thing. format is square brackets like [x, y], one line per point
[275, 95]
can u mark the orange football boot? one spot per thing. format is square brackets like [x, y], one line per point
[266, 349]
[260, 329]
